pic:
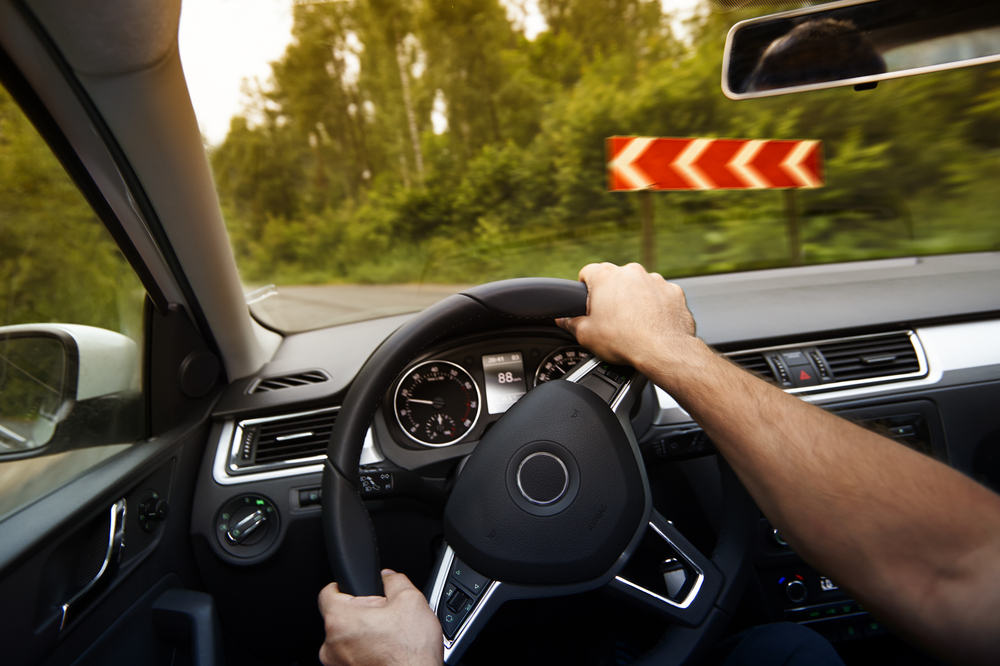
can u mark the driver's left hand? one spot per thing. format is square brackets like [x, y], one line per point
[399, 628]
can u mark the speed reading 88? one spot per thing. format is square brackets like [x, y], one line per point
[505, 382]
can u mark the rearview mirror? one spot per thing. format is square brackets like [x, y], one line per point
[66, 386]
[857, 42]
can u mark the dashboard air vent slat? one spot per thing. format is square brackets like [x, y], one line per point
[289, 381]
[867, 358]
[291, 439]
[754, 362]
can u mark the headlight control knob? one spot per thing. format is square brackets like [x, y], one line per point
[247, 525]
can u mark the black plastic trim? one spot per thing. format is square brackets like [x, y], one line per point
[128, 175]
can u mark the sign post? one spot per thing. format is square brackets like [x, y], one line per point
[645, 164]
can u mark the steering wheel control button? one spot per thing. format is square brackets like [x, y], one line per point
[474, 583]
[674, 577]
[458, 601]
[599, 385]
[542, 478]
[247, 526]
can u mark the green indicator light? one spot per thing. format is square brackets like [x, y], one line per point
[847, 609]
[814, 614]
[222, 527]
[260, 502]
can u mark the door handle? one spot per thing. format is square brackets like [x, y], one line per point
[116, 543]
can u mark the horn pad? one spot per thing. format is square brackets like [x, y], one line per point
[552, 494]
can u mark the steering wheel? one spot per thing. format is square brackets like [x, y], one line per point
[554, 500]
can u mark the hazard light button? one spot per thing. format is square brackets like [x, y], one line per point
[804, 375]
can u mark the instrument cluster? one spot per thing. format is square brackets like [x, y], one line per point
[452, 395]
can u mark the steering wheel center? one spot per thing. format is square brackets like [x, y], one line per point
[542, 478]
[552, 494]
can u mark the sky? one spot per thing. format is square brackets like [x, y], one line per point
[256, 32]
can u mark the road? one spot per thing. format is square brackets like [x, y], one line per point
[305, 307]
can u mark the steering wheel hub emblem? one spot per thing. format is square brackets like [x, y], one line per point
[542, 478]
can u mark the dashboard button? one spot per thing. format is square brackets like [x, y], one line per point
[794, 358]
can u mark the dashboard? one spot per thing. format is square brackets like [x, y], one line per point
[927, 380]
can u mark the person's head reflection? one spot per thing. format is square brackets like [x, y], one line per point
[815, 52]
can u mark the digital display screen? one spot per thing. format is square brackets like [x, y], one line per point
[504, 380]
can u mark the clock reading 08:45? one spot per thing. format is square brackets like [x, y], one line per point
[437, 403]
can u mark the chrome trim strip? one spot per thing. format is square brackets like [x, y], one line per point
[442, 577]
[933, 363]
[582, 370]
[623, 393]
[552, 353]
[695, 588]
[116, 544]
[914, 340]
[237, 440]
[439, 582]
[450, 645]
[814, 9]
[232, 435]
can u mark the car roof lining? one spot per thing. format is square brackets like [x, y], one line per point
[110, 37]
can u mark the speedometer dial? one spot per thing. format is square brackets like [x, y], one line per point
[437, 403]
[559, 362]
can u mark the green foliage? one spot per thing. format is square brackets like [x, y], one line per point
[325, 178]
[57, 262]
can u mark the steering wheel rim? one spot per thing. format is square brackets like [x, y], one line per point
[348, 533]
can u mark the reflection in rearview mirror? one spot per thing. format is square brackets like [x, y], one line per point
[857, 43]
[32, 371]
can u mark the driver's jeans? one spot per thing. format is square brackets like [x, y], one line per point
[781, 644]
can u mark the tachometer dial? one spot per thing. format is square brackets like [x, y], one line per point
[559, 362]
[437, 403]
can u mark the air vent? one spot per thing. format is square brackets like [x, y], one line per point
[754, 362]
[289, 381]
[282, 441]
[835, 364]
[871, 357]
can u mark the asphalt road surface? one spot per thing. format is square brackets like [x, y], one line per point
[306, 307]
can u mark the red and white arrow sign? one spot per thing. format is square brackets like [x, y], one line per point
[649, 163]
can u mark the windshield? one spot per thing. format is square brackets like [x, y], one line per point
[396, 151]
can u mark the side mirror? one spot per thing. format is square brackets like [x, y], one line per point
[66, 386]
[857, 43]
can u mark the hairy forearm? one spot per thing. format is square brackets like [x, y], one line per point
[856, 505]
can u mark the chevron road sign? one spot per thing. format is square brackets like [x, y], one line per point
[649, 163]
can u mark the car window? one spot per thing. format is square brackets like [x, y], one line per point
[71, 325]
[385, 158]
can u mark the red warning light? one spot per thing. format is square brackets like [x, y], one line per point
[804, 375]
